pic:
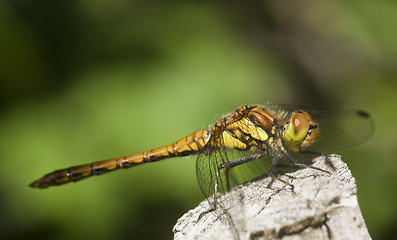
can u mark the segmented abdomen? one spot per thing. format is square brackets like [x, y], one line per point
[189, 145]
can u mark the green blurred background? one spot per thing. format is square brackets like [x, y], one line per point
[82, 81]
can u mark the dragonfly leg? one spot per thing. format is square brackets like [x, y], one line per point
[322, 154]
[236, 162]
[295, 163]
[205, 213]
[239, 161]
[270, 172]
[227, 165]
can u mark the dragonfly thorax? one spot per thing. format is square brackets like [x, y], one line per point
[249, 128]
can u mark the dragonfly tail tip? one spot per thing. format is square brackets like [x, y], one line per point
[33, 184]
[36, 184]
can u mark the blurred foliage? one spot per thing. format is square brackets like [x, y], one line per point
[82, 81]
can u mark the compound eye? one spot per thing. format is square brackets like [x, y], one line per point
[300, 122]
[297, 130]
[300, 132]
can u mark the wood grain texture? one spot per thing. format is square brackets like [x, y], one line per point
[321, 206]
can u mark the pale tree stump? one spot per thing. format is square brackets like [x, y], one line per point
[321, 206]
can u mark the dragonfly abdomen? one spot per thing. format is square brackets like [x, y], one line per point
[189, 145]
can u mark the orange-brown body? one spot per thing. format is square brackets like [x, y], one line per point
[253, 127]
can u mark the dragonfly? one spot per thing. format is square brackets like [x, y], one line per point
[249, 138]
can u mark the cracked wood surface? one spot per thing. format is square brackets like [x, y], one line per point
[321, 206]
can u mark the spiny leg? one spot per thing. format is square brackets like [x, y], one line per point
[322, 154]
[228, 165]
[236, 162]
[241, 161]
[270, 172]
[302, 165]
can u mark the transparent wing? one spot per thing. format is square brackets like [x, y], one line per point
[209, 172]
[230, 212]
[206, 168]
[341, 129]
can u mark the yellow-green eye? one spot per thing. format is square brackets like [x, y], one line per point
[300, 132]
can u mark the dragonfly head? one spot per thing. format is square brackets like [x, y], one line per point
[300, 131]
